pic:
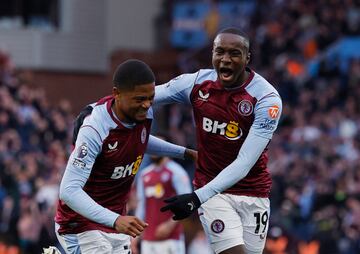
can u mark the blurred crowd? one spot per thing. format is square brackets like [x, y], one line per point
[34, 145]
[314, 155]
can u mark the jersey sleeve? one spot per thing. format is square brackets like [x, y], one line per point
[157, 146]
[176, 90]
[249, 153]
[267, 114]
[78, 169]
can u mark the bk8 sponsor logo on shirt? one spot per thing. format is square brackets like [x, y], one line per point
[230, 130]
[129, 169]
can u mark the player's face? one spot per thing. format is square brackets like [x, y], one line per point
[133, 105]
[230, 57]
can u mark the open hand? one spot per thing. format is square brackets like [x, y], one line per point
[130, 225]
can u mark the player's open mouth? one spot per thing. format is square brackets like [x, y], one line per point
[226, 74]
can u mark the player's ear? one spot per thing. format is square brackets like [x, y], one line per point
[115, 91]
[248, 57]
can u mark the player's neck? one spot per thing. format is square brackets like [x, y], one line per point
[118, 114]
[241, 80]
[244, 77]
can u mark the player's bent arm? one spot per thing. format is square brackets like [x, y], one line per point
[72, 193]
[76, 175]
[157, 146]
[249, 153]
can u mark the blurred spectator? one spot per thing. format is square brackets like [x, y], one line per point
[29, 227]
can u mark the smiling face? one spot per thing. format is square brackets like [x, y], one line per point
[132, 105]
[230, 57]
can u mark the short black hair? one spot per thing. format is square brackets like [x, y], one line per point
[132, 73]
[235, 30]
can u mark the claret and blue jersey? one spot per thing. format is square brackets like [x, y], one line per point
[224, 118]
[105, 160]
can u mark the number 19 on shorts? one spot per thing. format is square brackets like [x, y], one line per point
[261, 221]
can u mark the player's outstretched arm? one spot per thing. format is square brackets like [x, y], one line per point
[130, 225]
[159, 147]
[182, 206]
[176, 90]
